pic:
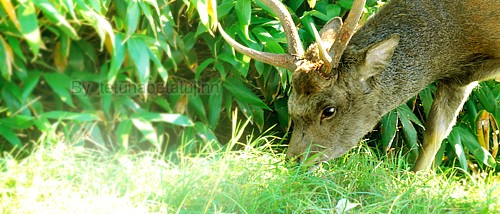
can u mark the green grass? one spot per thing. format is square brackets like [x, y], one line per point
[254, 179]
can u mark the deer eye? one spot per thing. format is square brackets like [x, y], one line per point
[328, 113]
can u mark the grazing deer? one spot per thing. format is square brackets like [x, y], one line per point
[345, 82]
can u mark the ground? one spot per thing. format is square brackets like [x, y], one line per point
[61, 178]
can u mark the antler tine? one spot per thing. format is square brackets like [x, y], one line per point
[322, 51]
[346, 32]
[294, 44]
[281, 60]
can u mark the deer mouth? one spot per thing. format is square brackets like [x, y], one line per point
[314, 159]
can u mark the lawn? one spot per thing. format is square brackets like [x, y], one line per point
[63, 178]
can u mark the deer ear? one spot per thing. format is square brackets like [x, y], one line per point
[330, 31]
[378, 56]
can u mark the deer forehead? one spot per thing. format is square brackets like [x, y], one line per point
[301, 105]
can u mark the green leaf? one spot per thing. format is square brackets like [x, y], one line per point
[95, 4]
[220, 68]
[281, 108]
[84, 102]
[76, 59]
[15, 91]
[189, 141]
[132, 18]
[155, 6]
[50, 11]
[486, 97]
[43, 124]
[106, 102]
[10, 96]
[69, 6]
[440, 154]
[17, 47]
[224, 8]
[316, 14]
[17, 122]
[469, 140]
[10, 136]
[406, 111]
[456, 144]
[98, 21]
[138, 51]
[163, 103]
[159, 66]
[306, 20]
[495, 89]
[29, 84]
[205, 133]
[59, 83]
[87, 50]
[371, 3]
[197, 105]
[123, 132]
[103, 28]
[388, 128]
[125, 104]
[95, 133]
[5, 59]
[202, 67]
[175, 119]
[73, 116]
[427, 98]
[267, 39]
[471, 108]
[333, 10]
[497, 113]
[215, 106]
[228, 58]
[245, 109]
[202, 8]
[149, 16]
[243, 12]
[311, 3]
[258, 117]
[241, 92]
[189, 40]
[409, 131]
[346, 4]
[147, 130]
[117, 58]
[29, 25]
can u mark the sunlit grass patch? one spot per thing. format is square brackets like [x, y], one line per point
[252, 179]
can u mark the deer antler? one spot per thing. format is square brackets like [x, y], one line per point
[322, 51]
[292, 34]
[295, 49]
[281, 60]
[345, 34]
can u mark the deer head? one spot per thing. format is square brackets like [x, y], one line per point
[335, 92]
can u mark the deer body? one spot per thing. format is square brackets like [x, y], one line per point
[439, 38]
[453, 42]
[407, 45]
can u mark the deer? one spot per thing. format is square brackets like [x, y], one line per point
[352, 75]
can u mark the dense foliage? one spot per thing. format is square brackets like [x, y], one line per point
[140, 74]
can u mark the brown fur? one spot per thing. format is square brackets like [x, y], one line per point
[407, 45]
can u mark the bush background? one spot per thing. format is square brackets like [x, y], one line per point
[51, 50]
